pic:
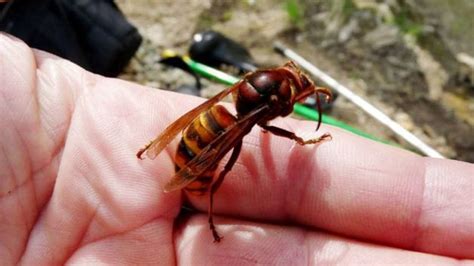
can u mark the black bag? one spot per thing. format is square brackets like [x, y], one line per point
[91, 33]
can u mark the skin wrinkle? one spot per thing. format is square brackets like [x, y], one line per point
[414, 204]
[48, 124]
[268, 157]
[27, 113]
[51, 132]
[28, 159]
[290, 212]
[97, 188]
[237, 163]
[304, 242]
[18, 72]
[16, 187]
[58, 149]
[136, 237]
[35, 99]
[22, 209]
[52, 228]
[288, 209]
[39, 208]
[414, 227]
[240, 258]
[30, 101]
[26, 181]
[417, 234]
[300, 197]
[22, 253]
[119, 233]
[40, 205]
[250, 142]
[8, 164]
[102, 202]
[77, 97]
[94, 216]
[82, 234]
[104, 186]
[249, 165]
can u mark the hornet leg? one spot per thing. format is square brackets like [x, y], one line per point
[287, 134]
[217, 184]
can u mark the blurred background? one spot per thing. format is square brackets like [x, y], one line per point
[414, 60]
[405, 57]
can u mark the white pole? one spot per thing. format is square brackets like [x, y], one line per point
[357, 100]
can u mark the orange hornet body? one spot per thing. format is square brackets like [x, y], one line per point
[210, 131]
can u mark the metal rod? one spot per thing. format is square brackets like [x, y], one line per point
[357, 100]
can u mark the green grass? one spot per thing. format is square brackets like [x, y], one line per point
[406, 24]
[347, 8]
[294, 11]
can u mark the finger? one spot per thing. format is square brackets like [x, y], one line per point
[350, 186]
[355, 187]
[263, 244]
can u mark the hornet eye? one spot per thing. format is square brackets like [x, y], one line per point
[305, 82]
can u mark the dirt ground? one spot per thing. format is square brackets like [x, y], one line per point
[385, 63]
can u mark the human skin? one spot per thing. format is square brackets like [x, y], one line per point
[72, 190]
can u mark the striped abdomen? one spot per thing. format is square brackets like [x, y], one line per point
[202, 131]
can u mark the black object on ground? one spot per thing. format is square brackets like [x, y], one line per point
[177, 61]
[91, 33]
[214, 49]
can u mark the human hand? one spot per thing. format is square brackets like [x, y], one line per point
[72, 190]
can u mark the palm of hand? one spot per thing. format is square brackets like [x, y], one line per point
[72, 190]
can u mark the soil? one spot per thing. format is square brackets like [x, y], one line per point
[407, 71]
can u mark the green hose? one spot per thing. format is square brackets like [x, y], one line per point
[299, 109]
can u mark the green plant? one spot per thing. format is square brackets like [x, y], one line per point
[406, 24]
[348, 7]
[293, 9]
